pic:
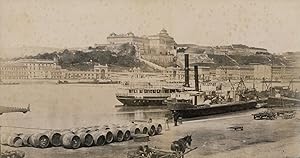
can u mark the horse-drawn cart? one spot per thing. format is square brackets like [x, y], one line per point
[148, 152]
[266, 115]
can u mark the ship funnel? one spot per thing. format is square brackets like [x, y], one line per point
[186, 70]
[196, 78]
[196, 83]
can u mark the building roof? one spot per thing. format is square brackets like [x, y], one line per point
[258, 48]
[35, 61]
[11, 64]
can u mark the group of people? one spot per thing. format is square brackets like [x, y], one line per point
[144, 151]
[175, 116]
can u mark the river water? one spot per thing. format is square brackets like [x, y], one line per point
[68, 106]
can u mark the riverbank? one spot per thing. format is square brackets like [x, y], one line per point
[260, 138]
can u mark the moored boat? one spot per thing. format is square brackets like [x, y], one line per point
[187, 106]
[145, 95]
[196, 103]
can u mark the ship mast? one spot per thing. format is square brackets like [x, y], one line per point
[196, 82]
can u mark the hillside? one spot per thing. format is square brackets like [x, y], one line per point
[216, 60]
[231, 55]
[85, 60]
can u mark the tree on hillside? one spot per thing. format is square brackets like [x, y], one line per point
[79, 60]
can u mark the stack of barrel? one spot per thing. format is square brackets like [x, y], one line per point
[84, 136]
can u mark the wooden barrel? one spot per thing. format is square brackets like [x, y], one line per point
[82, 130]
[143, 128]
[109, 136]
[91, 129]
[75, 129]
[158, 128]
[98, 137]
[127, 134]
[25, 139]
[70, 141]
[125, 129]
[54, 137]
[151, 130]
[64, 131]
[86, 139]
[39, 140]
[15, 140]
[134, 129]
[118, 134]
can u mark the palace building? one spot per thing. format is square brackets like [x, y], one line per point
[159, 44]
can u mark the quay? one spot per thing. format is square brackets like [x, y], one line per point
[269, 138]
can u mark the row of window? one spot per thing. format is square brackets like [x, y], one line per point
[12, 68]
[144, 91]
[80, 75]
[40, 64]
[150, 91]
[13, 77]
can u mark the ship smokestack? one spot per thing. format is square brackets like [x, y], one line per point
[196, 83]
[196, 78]
[186, 70]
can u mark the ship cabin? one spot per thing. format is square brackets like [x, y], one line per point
[201, 97]
[148, 90]
[187, 97]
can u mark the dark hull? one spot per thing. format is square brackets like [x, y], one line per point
[89, 82]
[186, 110]
[282, 101]
[149, 101]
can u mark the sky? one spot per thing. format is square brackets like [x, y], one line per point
[271, 24]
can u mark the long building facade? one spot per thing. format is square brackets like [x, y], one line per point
[31, 69]
[13, 70]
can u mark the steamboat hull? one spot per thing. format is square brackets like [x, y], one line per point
[145, 101]
[282, 101]
[187, 110]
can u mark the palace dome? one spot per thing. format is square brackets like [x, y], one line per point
[130, 34]
[163, 31]
[112, 34]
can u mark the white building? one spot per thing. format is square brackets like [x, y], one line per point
[12, 71]
[39, 69]
[159, 44]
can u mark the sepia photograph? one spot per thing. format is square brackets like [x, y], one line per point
[149, 79]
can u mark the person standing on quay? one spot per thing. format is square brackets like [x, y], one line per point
[175, 116]
[167, 124]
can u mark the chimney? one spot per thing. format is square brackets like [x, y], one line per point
[196, 78]
[196, 83]
[186, 70]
